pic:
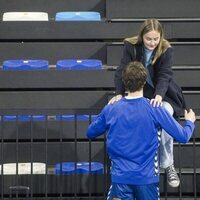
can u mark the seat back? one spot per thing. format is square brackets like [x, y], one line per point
[25, 16]
[74, 64]
[23, 168]
[78, 16]
[25, 65]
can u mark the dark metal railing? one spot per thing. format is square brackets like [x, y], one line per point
[57, 141]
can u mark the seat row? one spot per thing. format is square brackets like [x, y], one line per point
[44, 117]
[64, 168]
[60, 16]
[70, 64]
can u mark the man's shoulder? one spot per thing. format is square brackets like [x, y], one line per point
[115, 104]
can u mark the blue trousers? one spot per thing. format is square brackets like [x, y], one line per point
[120, 191]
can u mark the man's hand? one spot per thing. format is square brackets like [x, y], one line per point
[190, 115]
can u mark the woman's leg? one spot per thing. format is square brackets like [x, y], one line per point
[166, 153]
[166, 143]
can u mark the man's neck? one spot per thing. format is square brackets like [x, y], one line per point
[135, 94]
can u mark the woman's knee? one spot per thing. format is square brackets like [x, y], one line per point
[168, 107]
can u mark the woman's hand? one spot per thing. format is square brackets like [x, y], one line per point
[115, 99]
[157, 101]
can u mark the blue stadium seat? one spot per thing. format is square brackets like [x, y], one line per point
[67, 168]
[39, 117]
[78, 16]
[14, 118]
[65, 117]
[9, 118]
[78, 117]
[74, 64]
[24, 117]
[84, 168]
[81, 168]
[25, 65]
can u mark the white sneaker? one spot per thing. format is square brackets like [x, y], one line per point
[172, 177]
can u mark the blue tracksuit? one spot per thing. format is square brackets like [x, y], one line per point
[133, 140]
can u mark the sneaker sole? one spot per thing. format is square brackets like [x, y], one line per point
[174, 185]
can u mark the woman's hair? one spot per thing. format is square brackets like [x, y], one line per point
[147, 26]
[134, 76]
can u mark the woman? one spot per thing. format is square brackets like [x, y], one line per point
[154, 51]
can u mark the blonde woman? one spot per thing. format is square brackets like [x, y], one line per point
[155, 52]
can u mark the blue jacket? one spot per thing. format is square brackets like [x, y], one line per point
[132, 138]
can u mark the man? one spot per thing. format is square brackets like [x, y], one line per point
[133, 126]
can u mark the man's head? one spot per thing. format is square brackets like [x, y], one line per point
[134, 76]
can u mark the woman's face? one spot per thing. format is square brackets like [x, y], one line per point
[151, 39]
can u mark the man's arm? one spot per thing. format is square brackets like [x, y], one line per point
[98, 127]
[172, 127]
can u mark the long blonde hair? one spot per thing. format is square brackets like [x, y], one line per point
[147, 26]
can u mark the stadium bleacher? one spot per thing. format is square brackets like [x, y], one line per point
[54, 94]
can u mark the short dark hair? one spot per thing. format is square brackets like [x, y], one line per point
[134, 76]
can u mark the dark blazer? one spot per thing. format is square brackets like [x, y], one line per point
[161, 74]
